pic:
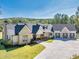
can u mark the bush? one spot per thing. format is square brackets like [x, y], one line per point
[7, 42]
[1, 46]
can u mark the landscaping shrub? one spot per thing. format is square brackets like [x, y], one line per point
[7, 42]
[1, 47]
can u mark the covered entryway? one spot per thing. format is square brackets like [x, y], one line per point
[65, 35]
[57, 35]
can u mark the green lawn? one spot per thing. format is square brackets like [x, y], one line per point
[49, 40]
[26, 52]
[75, 57]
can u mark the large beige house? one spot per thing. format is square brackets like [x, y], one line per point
[24, 33]
[18, 33]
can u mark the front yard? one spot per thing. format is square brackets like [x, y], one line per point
[26, 52]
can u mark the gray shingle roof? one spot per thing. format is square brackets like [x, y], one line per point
[29, 25]
[59, 27]
[18, 28]
[35, 28]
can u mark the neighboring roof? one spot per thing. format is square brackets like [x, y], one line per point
[59, 27]
[47, 28]
[11, 26]
[10, 29]
[18, 28]
[35, 28]
[29, 25]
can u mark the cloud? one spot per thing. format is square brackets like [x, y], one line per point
[49, 13]
[65, 7]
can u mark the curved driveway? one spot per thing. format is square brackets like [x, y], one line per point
[59, 50]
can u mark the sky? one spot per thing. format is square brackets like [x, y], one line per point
[37, 8]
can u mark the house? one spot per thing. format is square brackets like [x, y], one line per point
[42, 31]
[22, 33]
[66, 31]
[37, 31]
[18, 33]
[47, 31]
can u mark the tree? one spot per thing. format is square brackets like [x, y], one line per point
[65, 19]
[77, 19]
[57, 18]
[77, 12]
[77, 16]
[61, 19]
[72, 19]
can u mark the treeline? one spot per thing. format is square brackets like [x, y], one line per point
[58, 19]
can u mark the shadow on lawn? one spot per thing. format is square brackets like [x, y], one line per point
[9, 47]
[13, 47]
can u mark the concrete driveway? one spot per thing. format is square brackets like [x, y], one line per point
[59, 50]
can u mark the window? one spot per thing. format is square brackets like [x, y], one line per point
[9, 36]
[57, 35]
[43, 32]
[24, 40]
[25, 37]
[65, 35]
[72, 35]
[6, 36]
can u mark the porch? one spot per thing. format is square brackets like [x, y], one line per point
[65, 36]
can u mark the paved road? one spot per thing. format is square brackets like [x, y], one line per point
[59, 50]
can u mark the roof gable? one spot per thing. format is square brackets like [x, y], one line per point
[59, 27]
[25, 30]
[18, 28]
[35, 28]
[40, 30]
[65, 30]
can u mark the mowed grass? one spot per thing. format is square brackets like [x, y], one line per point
[75, 57]
[49, 40]
[26, 52]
